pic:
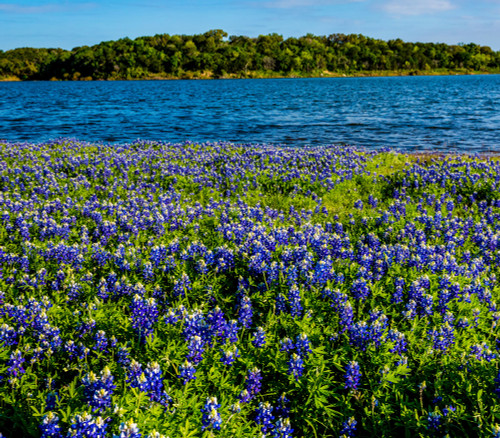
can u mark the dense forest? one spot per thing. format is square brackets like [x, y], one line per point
[215, 55]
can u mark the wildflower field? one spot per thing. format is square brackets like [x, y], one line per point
[195, 290]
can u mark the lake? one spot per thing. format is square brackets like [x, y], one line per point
[446, 113]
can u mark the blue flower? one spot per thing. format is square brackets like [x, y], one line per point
[352, 376]
[144, 316]
[302, 345]
[259, 338]
[128, 429]
[196, 347]
[187, 372]
[264, 416]
[230, 355]
[211, 418]
[348, 428]
[296, 366]
[295, 301]
[182, 286]
[50, 426]
[86, 426]
[253, 385]
[434, 421]
[98, 390]
[245, 312]
[15, 363]
[282, 428]
[282, 408]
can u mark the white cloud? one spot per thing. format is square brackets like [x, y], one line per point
[47, 8]
[292, 4]
[417, 7]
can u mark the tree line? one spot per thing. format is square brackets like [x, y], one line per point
[215, 55]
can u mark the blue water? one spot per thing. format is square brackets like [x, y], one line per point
[460, 113]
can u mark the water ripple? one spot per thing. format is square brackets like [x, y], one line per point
[461, 113]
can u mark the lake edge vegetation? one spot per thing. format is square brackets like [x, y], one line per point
[214, 55]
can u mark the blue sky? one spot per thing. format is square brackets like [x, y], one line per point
[67, 24]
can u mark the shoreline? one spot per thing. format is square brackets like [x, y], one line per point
[202, 76]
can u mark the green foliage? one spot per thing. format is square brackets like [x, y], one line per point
[214, 55]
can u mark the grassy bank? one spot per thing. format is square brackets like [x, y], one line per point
[203, 75]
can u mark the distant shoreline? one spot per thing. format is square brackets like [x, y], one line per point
[257, 75]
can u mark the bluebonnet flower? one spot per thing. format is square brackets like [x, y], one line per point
[253, 385]
[230, 355]
[280, 304]
[399, 339]
[149, 381]
[74, 291]
[182, 286]
[147, 272]
[51, 400]
[443, 338]
[128, 429]
[463, 322]
[144, 316]
[282, 409]
[8, 335]
[372, 201]
[122, 356]
[352, 376]
[217, 324]
[448, 410]
[282, 428]
[211, 418]
[231, 331]
[155, 385]
[476, 312]
[86, 327]
[295, 301]
[101, 341]
[196, 348]
[397, 296]
[296, 366]
[410, 312]
[85, 426]
[171, 317]
[482, 351]
[187, 372]
[303, 345]
[287, 344]
[346, 316]
[158, 255]
[50, 426]
[496, 431]
[15, 364]
[361, 335]
[136, 377]
[244, 396]
[360, 289]
[323, 271]
[259, 338]
[245, 312]
[348, 428]
[264, 416]
[434, 421]
[98, 390]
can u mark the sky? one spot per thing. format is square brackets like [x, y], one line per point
[69, 24]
